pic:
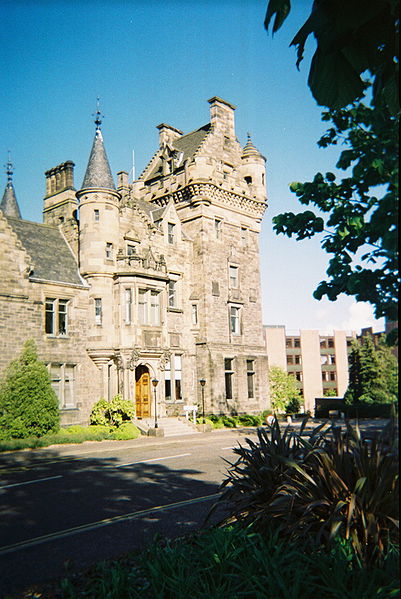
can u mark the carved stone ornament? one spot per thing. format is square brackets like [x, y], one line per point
[118, 361]
[164, 359]
[134, 359]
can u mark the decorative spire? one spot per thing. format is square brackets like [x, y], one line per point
[9, 204]
[98, 115]
[98, 173]
[249, 148]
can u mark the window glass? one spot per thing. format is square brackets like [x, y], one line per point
[154, 307]
[194, 314]
[62, 317]
[234, 320]
[50, 316]
[233, 277]
[128, 306]
[170, 232]
[98, 310]
[172, 294]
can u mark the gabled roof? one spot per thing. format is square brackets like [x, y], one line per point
[9, 204]
[52, 258]
[187, 144]
[98, 172]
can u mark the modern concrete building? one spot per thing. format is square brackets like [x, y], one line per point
[157, 279]
[318, 361]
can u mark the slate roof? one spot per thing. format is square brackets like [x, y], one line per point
[52, 259]
[188, 144]
[9, 204]
[98, 172]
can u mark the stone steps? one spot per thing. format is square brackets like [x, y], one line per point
[172, 427]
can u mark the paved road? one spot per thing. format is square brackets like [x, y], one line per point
[74, 505]
[71, 506]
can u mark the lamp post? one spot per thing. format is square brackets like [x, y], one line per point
[202, 384]
[155, 383]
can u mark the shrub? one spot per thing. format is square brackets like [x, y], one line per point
[112, 413]
[250, 420]
[28, 404]
[127, 430]
[229, 421]
[330, 484]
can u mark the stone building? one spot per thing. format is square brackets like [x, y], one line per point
[318, 361]
[155, 280]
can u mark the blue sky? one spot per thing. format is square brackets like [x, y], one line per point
[160, 61]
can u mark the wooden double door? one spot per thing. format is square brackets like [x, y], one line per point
[142, 392]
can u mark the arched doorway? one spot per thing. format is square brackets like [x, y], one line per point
[142, 392]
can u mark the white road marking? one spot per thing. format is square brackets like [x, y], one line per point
[30, 482]
[100, 523]
[168, 457]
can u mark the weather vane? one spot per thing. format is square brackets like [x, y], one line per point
[9, 168]
[98, 115]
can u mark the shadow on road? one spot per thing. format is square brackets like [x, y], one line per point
[73, 491]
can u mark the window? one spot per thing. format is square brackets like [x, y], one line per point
[128, 305]
[172, 379]
[109, 251]
[149, 306]
[98, 311]
[172, 294]
[298, 359]
[330, 342]
[217, 228]
[234, 320]
[288, 342]
[250, 372]
[170, 233]
[332, 376]
[298, 376]
[244, 236]
[131, 250]
[194, 314]
[228, 376]
[62, 378]
[233, 273]
[297, 342]
[248, 180]
[290, 359]
[332, 359]
[96, 215]
[56, 316]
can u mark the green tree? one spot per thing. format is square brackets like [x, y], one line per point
[357, 214]
[356, 42]
[373, 374]
[28, 404]
[354, 39]
[284, 393]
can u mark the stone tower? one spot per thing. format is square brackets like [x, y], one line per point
[98, 241]
[219, 192]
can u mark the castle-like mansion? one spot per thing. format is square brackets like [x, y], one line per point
[157, 279]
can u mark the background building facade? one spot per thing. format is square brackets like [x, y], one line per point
[318, 362]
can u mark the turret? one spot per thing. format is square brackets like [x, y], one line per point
[253, 170]
[98, 212]
[9, 204]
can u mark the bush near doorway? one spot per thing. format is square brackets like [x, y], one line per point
[112, 413]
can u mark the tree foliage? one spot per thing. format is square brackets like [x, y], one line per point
[284, 393]
[358, 213]
[28, 404]
[373, 373]
[353, 39]
[112, 413]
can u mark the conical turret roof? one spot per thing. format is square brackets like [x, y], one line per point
[249, 149]
[98, 172]
[9, 204]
